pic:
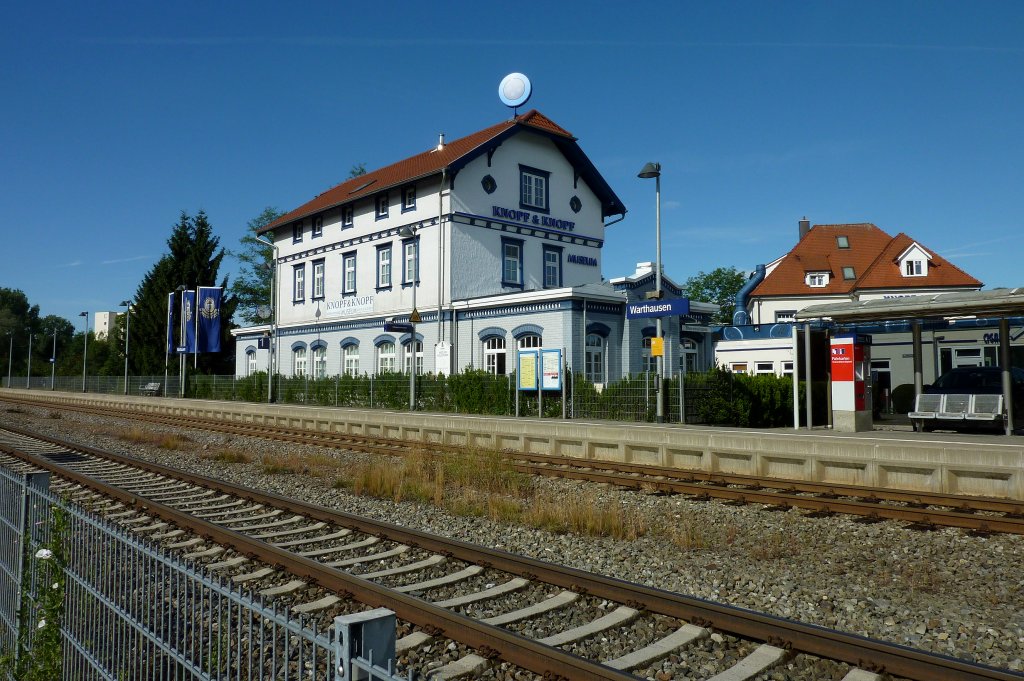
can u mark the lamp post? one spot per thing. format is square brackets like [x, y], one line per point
[53, 359]
[271, 346]
[127, 331]
[648, 171]
[410, 233]
[181, 343]
[85, 347]
[28, 374]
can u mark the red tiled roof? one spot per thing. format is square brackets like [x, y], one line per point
[414, 167]
[872, 255]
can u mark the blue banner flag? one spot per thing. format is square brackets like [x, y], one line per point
[170, 323]
[188, 313]
[209, 318]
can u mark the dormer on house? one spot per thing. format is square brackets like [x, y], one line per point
[913, 262]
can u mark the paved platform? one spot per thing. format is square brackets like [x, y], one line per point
[893, 456]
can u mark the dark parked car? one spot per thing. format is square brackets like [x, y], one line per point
[976, 381]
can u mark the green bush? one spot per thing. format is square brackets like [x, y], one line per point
[903, 398]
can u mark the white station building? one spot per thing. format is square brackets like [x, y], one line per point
[487, 244]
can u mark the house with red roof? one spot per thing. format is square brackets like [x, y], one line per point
[833, 263]
[459, 256]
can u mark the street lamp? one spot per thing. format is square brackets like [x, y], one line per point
[28, 374]
[182, 344]
[85, 350]
[53, 359]
[127, 330]
[648, 171]
[272, 345]
[408, 232]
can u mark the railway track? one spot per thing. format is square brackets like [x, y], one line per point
[451, 588]
[919, 510]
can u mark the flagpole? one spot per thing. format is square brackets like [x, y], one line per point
[196, 348]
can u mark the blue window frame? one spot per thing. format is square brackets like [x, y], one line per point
[410, 261]
[533, 189]
[347, 216]
[299, 283]
[408, 198]
[348, 273]
[318, 280]
[297, 232]
[511, 262]
[552, 267]
[384, 267]
[318, 226]
[383, 202]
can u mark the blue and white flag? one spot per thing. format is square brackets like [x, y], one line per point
[208, 325]
[188, 314]
[170, 323]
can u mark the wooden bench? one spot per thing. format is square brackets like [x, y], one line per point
[150, 389]
[955, 408]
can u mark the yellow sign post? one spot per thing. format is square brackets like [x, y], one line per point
[657, 347]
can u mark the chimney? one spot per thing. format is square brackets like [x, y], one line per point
[440, 142]
[805, 226]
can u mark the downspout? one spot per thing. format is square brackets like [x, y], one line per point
[440, 259]
[739, 312]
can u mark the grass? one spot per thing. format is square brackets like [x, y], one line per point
[230, 456]
[145, 437]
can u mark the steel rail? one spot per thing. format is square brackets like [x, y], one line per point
[791, 493]
[488, 639]
[853, 649]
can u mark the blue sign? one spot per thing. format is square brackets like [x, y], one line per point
[397, 327]
[674, 307]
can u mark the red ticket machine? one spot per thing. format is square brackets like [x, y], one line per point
[851, 382]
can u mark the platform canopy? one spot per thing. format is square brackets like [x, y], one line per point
[1000, 302]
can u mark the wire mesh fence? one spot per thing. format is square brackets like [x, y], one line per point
[716, 397]
[129, 609]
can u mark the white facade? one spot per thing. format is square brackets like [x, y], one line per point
[502, 243]
[103, 322]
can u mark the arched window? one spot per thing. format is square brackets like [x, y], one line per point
[299, 361]
[418, 345]
[320, 362]
[494, 355]
[385, 357]
[595, 358]
[351, 354]
[250, 362]
[530, 340]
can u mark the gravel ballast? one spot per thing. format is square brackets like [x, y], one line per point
[944, 591]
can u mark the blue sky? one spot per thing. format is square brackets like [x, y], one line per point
[118, 116]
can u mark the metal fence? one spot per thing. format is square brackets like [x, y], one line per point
[133, 611]
[714, 397]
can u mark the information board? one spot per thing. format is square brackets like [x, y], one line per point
[526, 370]
[551, 370]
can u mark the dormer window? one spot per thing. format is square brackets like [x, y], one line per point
[817, 279]
[913, 262]
[842, 242]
